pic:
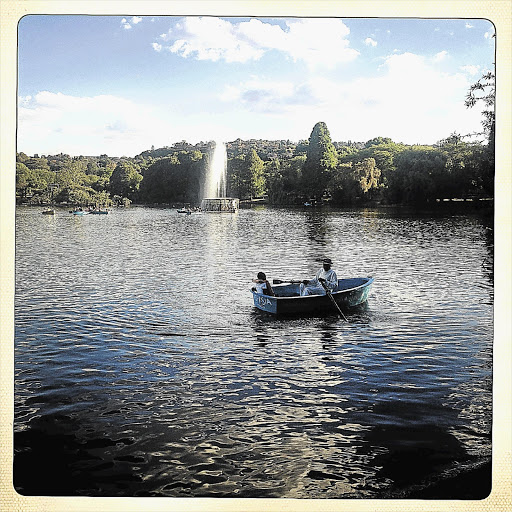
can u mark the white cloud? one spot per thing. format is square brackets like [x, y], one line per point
[438, 57]
[55, 122]
[472, 70]
[370, 42]
[318, 42]
[127, 25]
[157, 47]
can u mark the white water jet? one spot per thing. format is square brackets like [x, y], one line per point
[215, 185]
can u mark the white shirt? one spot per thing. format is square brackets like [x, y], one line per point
[260, 287]
[331, 279]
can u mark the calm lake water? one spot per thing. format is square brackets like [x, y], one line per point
[143, 369]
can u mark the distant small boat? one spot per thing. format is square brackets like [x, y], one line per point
[288, 301]
[48, 211]
[79, 212]
[98, 212]
[186, 211]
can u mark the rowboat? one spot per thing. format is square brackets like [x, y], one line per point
[79, 212]
[288, 301]
[98, 212]
[48, 211]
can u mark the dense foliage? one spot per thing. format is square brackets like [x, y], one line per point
[315, 170]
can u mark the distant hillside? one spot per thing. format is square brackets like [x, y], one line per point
[266, 149]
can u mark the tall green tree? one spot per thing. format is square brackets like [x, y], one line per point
[321, 159]
[254, 165]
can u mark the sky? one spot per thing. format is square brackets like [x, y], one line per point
[118, 85]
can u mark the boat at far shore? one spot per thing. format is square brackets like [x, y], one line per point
[90, 211]
[48, 211]
[288, 301]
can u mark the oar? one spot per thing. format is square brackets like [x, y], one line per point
[292, 281]
[329, 294]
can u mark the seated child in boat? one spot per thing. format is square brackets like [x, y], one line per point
[262, 285]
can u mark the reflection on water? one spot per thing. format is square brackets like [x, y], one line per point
[142, 368]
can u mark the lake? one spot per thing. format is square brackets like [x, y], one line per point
[142, 367]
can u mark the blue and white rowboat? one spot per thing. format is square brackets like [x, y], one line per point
[287, 301]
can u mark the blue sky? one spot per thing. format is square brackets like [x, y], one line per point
[90, 85]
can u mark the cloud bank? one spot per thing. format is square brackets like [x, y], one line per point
[87, 126]
[409, 100]
[317, 42]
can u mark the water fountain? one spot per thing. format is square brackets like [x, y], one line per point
[215, 199]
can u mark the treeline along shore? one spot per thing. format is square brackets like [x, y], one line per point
[317, 170]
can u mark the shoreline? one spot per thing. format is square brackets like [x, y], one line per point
[473, 484]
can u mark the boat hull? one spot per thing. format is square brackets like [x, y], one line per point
[351, 292]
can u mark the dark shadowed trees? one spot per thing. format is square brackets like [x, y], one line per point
[125, 180]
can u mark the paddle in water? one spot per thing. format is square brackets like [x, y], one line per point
[329, 294]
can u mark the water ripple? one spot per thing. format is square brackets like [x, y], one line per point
[141, 363]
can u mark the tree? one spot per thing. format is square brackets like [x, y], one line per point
[284, 180]
[125, 180]
[484, 91]
[354, 183]
[368, 174]
[246, 175]
[174, 179]
[254, 170]
[237, 182]
[33, 182]
[23, 179]
[417, 175]
[321, 159]
[377, 141]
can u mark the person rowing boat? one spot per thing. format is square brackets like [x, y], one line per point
[326, 276]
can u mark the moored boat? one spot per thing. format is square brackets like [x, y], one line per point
[288, 301]
[98, 212]
[48, 211]
[79, 212]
